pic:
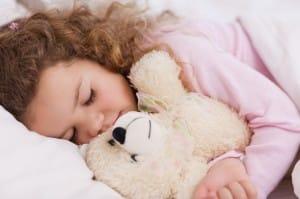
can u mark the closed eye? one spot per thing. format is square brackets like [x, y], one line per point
[91, 98]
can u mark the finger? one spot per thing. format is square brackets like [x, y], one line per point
[224, 193]
[212, 195]
[249, 189]
[201, 192]
[237, 190]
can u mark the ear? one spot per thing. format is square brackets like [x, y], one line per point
[157, 74]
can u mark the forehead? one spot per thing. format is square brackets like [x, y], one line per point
[51, 107]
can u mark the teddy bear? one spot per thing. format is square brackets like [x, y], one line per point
[163, 150]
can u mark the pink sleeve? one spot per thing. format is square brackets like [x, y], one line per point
[272, 116]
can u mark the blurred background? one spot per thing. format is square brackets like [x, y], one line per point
[217, 9]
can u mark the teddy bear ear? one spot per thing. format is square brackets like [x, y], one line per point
[157, 74]
[150, 104]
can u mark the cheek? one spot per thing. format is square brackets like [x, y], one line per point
[112, 97]
[82, 139]
[115, 92]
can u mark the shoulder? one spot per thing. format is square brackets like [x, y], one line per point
[201, 35]
[194, 50]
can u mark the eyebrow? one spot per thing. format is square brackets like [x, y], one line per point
[77, 93]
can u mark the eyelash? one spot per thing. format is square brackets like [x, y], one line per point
[91, 98]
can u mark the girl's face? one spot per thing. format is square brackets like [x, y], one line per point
[78, 100]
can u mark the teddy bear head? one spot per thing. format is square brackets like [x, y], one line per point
[139, 160]
[142, 158]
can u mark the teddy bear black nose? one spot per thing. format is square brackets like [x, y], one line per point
[119, 134]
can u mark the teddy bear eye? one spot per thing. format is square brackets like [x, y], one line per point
[111, 142]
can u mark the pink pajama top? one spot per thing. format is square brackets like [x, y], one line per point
[220, 61]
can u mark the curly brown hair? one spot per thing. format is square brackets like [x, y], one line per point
[112, 38]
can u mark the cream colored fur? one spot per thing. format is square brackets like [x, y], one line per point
[194, 128]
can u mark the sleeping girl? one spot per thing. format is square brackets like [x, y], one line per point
[64, 75]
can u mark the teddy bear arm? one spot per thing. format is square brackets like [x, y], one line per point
[194, 172]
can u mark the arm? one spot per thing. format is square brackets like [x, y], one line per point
[272, 116]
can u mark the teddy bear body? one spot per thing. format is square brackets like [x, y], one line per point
[163, 151]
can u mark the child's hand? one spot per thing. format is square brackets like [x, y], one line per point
[227, 179]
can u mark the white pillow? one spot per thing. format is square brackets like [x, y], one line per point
[10, 10]
[37, 167]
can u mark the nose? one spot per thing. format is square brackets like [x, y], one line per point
[119, 134]
[94, 124]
